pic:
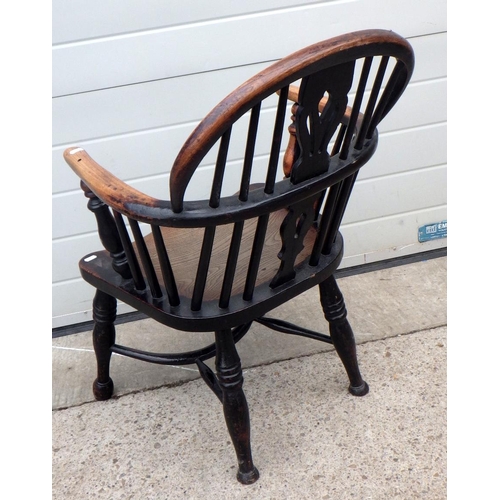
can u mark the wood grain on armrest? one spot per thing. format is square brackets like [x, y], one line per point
[107, 187]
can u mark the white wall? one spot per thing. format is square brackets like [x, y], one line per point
[131, 80]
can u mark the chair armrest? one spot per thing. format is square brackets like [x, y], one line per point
[108, 188]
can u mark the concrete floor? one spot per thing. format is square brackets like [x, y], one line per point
[164, 436]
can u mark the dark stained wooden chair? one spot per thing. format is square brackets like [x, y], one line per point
[221, 263]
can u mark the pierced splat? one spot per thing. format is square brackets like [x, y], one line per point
[314, 128]
[315, 117]
[293, 230]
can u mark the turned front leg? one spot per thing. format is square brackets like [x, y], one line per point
[104, 310]
[341, 334]
[235, 406]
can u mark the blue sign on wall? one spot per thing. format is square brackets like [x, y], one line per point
[432, 231]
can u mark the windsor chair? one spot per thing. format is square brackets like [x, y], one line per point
[220, 263]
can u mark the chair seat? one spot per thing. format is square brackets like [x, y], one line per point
[184, 246]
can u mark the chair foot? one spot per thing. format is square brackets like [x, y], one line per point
[102, 391]
[360, 390]
[248, 477]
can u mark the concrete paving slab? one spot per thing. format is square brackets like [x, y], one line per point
[380, 304]
[311, 439]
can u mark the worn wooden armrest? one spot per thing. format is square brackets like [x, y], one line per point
[107, 187]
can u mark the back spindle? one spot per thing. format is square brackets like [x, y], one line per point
[249, 152]
[388, 98]
[220, 166]
[145, 258]
[325, 223]
[276, 141]
[203, 265]
[128, 247]
[232, 260]
[165, 267]
[355, 108]
[339, 140]
[372, 100]
[341, 203]
[253, 266]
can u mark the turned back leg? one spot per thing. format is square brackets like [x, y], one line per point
[341, 333]
[234, 402]
[104, 311]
